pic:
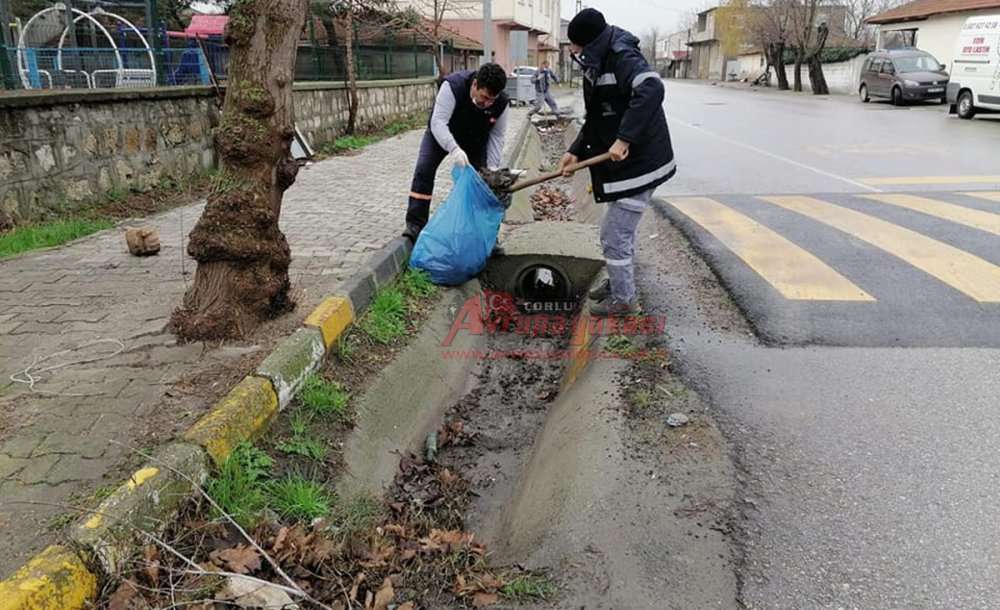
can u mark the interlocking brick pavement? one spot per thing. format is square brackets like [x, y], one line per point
[74, 431]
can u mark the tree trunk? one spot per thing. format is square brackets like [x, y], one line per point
[816, 77]
[243, 257]
[352, 74]
[779, 63]
[797, 74]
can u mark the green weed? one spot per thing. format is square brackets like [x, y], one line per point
[528, 587]
[416, 284]
[49, 234]
[642, 398]
[60, 521]
[622, 346]
[385, 320]
[345, 351]
[347, 144]
[298, 498]
[301, 443]
[238, 486]
[305, 446]
[324, 397]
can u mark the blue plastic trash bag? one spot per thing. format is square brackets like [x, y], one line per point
[455, 245]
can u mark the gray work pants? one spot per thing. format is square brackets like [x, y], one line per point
[618, 243]
[545, 98]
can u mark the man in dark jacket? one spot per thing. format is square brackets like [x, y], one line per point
[468, 123]
[624, 102]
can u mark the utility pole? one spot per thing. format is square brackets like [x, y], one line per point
[487, 31]
[6, 44]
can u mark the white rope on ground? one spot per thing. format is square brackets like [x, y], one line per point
[31, 375]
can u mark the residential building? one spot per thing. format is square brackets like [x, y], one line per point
[524, 31]
[706, 58]
[929, 25]
[673, 55]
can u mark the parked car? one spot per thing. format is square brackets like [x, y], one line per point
[975, 83]
[903, 75]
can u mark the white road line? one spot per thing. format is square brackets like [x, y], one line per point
[760, 151]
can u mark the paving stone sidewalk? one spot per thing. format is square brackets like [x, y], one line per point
[70, 433]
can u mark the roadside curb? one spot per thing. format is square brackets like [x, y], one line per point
[66, 577]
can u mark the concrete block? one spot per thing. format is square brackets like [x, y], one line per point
[240, 416]
[292, 361]
[56, 579]
[383, 266]
[332, 317]
[147, 502]
[361, 290]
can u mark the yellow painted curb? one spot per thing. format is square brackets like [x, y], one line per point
[238, 417]
[56, 579]
[331, 317]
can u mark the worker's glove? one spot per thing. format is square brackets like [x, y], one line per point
[459, 158]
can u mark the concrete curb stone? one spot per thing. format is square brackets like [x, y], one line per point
[55, 579]
[144, 503]
[294, 359]
[238, 417]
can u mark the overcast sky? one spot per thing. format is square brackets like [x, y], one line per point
[638, 16]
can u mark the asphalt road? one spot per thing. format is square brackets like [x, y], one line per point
[869, 469]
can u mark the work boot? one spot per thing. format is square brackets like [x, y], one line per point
[612, 309]
[601, 292]
[412, 232]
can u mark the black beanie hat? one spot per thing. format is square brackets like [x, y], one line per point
[586, 26]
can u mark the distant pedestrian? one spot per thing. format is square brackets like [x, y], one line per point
[624, 101]
[469, 123]
[543, 80]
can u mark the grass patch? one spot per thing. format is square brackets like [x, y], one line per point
[528, 587]
[346, 144]
[622, 346]
[416, 284]
[301, 442]
[385, 320]
[356, 517]
[324, 397]
[299, 498]
[345, 352]
[238, 486]
[49, 234]
[349, 144]
[642, 398]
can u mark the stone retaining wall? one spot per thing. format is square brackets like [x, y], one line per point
[62, 150]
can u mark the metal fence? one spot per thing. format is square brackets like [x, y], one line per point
[98, 68]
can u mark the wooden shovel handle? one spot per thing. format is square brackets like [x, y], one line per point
[553, 175]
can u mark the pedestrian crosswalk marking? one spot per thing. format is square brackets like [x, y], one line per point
[988, 195]
[794, 272]
[969, 274]
[977, 219]
[927, 180]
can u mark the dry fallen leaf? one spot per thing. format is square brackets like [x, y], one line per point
[360, 578]
[241, 559]
[408, 606]
[152, 568]
[481, 600]
[122, 597]
[384, 596]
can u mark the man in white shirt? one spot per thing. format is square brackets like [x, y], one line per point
[468, 124]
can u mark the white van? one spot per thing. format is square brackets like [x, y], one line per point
[975, 72]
